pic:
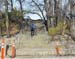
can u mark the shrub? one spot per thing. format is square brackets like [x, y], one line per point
[52, 31]
[59, 28]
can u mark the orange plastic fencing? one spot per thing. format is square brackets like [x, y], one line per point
[13, 50]
[57, 48]
[2, 49]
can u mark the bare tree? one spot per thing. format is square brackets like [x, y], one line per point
[38, 6]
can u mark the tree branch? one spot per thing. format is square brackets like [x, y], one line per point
[39, 9]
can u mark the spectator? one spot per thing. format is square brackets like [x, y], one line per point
[32, 29]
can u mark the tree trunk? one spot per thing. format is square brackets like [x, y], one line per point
[21, 21]
[57, 11]
[72, 27]
[11, 5]
[49, 12]
[6, 15]
[1, 30]
[20, 2]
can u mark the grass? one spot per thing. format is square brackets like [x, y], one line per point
[37, 41]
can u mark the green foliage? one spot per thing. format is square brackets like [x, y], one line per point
[26, 11]
[2, 20]
[0, 14]
[15, 14]
[61, 26]
[54, 30]
[52, 17]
